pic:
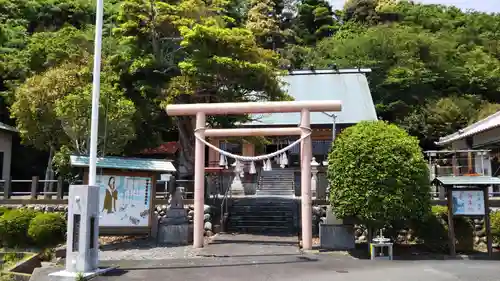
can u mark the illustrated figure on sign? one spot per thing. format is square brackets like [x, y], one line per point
[111, 197]
[457, 204]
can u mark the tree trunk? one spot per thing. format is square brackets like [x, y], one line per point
[49, 173]
[186, 141]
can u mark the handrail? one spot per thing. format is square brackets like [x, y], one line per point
[224, 207]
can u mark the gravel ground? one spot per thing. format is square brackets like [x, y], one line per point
[127, 248]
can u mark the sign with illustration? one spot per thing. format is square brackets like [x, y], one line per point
[468, 202]
[124, 201]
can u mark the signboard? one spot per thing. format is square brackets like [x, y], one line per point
[468, 202]
[124, 201]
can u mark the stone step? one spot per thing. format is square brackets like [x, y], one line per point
[275, 192]
[254, 201]
[266, 216]
[273, 223]
[263, 230]
[259, 209]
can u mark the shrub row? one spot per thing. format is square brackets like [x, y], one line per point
[432, 231]
[22, 227]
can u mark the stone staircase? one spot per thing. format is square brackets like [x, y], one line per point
[263, 215]
[276, 182]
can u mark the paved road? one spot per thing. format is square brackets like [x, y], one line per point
[297, 268]
[307, 267]
[255, 258]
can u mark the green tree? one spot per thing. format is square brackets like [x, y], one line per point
[221, 65]
[445, 116]
[315, 20]
[377, 173]
[264, 22]
[146, 58]
[52, 110]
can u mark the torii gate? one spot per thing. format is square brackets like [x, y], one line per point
[304, 130]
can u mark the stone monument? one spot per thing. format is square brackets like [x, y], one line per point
[334, 234]
[174, 228]
[83, 234]
[237, 187]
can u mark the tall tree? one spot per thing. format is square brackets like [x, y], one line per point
[315, 20]
[52, 110]
[221, 64]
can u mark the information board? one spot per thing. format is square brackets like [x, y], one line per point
[124, 201]
[468, 202]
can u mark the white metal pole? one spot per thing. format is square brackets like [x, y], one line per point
[95, 93]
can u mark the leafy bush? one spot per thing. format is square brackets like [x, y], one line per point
[14, 227]
[433, 231]
[377, 173]
[495, 226]
[3, 210]
[48, 229]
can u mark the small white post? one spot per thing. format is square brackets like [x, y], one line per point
[325, 164]
[314, 177]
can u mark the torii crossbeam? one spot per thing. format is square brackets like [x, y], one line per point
[304, 130]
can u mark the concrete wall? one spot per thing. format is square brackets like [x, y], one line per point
[6, 148]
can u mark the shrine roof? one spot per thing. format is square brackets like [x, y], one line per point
[467, 180]
[5, 127]
[347, 85]
[488, 123]
[122, 163]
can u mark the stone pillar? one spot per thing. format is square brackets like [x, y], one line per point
[83, 229]
[82, 244]
[174, 227]
[237, 187]
[314, 177]
[325, 164]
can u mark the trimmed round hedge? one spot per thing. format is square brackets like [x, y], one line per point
[47, 229]
[377, 174]
[14, 227]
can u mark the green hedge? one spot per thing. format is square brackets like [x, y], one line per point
[14, 227]
[433, 231]
[47, 230]
[23, 227]
[495, 226]
[3, 210]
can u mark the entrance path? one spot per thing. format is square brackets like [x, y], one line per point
[247, 245]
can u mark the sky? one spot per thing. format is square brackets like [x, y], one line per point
[479, 5]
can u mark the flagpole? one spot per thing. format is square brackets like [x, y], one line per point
[96, 87]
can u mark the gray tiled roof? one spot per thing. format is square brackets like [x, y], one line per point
[120, 163]
[5, 127]
[468, 180]
[349, 86]
[488, 123]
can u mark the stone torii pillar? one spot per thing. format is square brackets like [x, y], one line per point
[304, 130]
